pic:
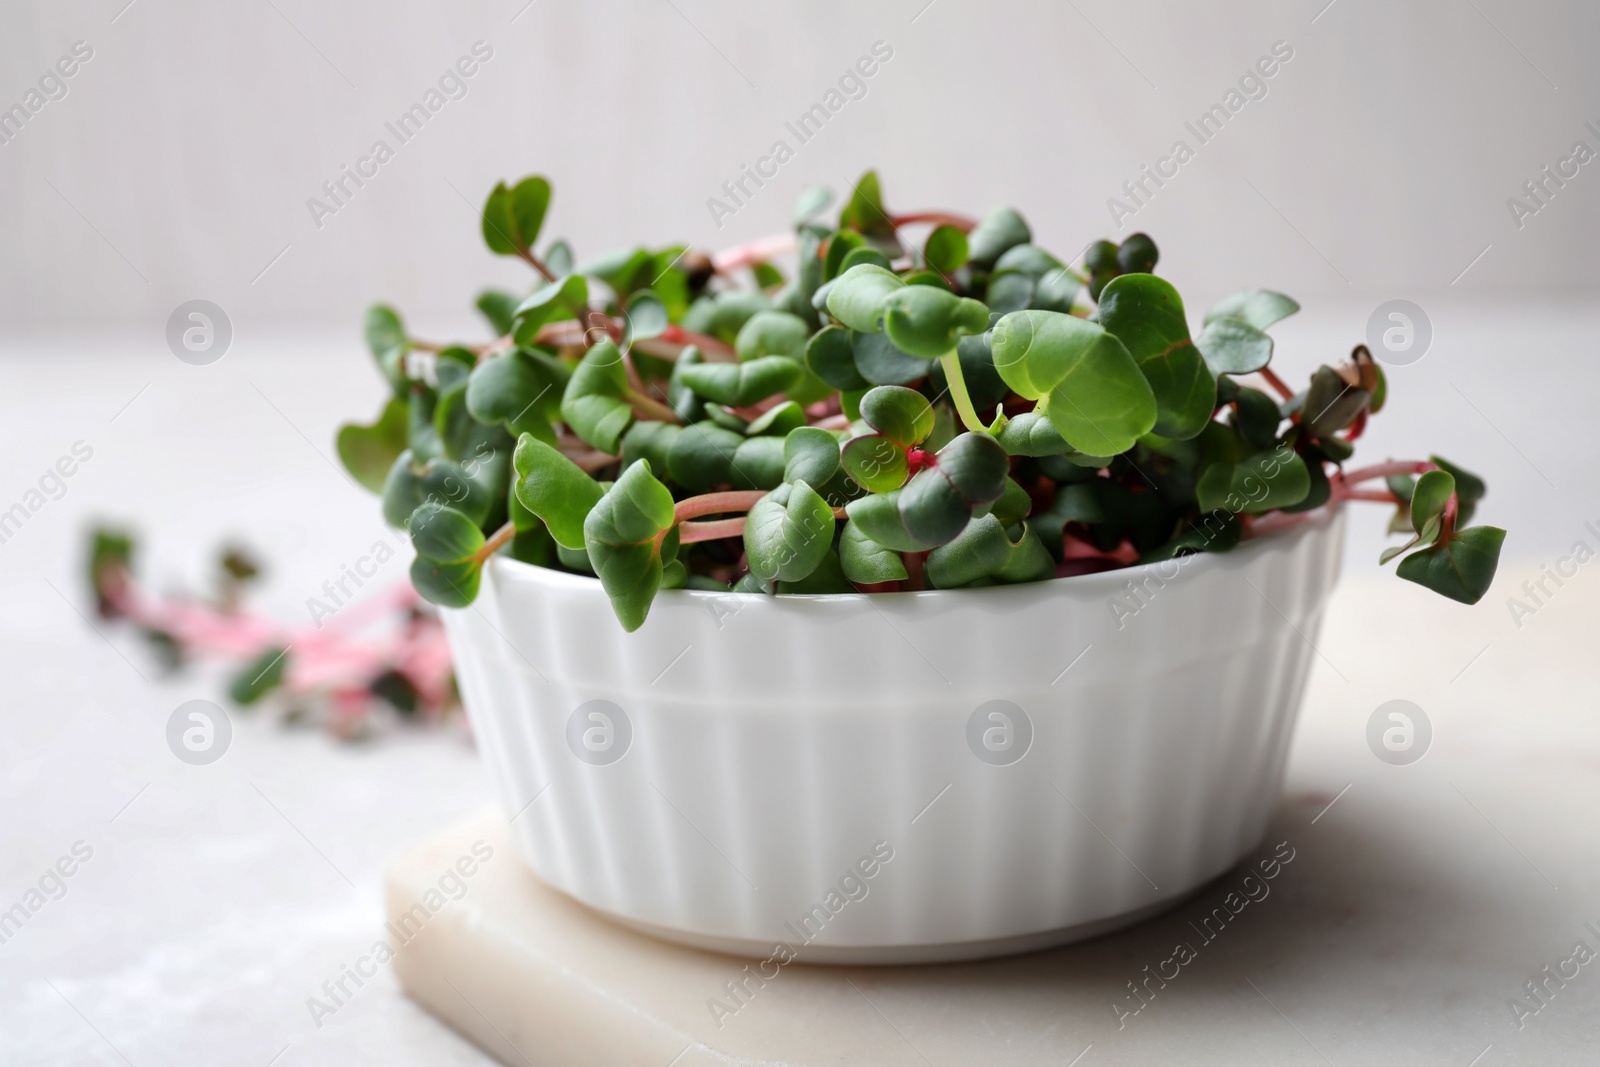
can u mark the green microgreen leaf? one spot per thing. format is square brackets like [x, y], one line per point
[444, 534]
[778, 420]
[594, 403]
[680, 397]
[1469, 489]
[999, 230]
[1097, 397]
[1257, 418]
[1254, 483]
[554, 488]
[499, 308]
[259, 677]
[702, 455]
[450, 585]
[772, 333]
[510, 388]
[864, 210]
[856, 297]
[830, 356]
[810, 202]
[1232, 346]
[967, 473]
[902, 415]
[928, 322]
[623, 534]
[1259, 308]
[647, 317]
[530, 198]
[986, 553]
[368, 452]
[788, 532]
[386, 338]
[1031, 434]
[758, 463]
[875, 462]
[741, 384]
[878, 516]
[864, 254]
[1146, 314]
[866, 561]
[561, 299]
[879, 362]
[1461, 567]
[946, 249]
[1428, 499]
[1331, 403]
[811, 455]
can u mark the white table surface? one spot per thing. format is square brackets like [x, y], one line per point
[220, 898]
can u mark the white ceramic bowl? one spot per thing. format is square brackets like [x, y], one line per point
[755, 758]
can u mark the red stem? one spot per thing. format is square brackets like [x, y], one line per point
[1276, 383]
[916, 577]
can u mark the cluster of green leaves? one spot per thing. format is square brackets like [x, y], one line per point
[891, 416]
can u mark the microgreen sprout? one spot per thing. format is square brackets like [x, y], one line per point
[890, 415]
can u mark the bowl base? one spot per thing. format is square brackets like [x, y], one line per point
[896, 955]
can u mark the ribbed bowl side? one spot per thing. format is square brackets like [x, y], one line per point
[775, 742]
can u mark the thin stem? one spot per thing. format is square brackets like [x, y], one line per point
[536, 263]
[652, 408]
[590, 460]
[757, 251]
[936, 218]
[499, 540]
[916, 577]
[707, 344]
[716, 503]
[951, 363]
[691, 532]
[1386, 470]
[1276, 383]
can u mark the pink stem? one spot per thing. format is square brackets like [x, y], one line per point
[757, 251]
[937, 218]
[1385, 470]
[691, 532]
[715, 503]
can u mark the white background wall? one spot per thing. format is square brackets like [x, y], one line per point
[1379, 165]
